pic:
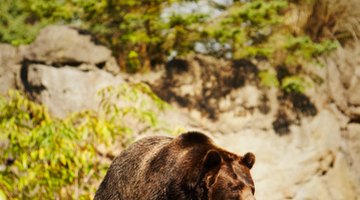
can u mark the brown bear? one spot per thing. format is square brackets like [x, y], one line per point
[188, 167]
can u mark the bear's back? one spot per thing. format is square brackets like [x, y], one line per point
[127, 170]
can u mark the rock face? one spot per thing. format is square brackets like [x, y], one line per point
[62, 69]
[66, 89]
[10, 60]
[307, 164]
[351, 146]
[61, 44]
[9, 55]
[343, 79]
[213, 87]
[200, 81]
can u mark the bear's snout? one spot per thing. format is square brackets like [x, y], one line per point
[247, 194]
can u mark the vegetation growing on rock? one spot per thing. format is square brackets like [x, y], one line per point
[144, 34]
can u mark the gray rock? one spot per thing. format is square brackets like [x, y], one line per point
[112, 66]
[352, 148]
[343, 79]
[61, 44]
[65, 90]
[10, 55]
[10, 59]
[247, 96]
[335, 86]
[9, 78]
[353, 92]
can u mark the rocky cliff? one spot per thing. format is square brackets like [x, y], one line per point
[307, 145]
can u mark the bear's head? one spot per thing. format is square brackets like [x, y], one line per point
[227, 176]
[221, 174]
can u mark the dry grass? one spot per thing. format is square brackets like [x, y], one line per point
[333, 19]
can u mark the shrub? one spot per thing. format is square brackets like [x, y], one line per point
[17, 22]
[47, 158]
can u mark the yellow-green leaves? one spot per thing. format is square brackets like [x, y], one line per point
[268, 79]
[47, 158]
[2, 195]
[294, 83]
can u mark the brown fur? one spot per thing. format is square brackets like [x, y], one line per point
[188, 167]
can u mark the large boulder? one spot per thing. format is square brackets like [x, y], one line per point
[10, 55]
[61, 69]
[67, 89]
[62, 44]
[10, 64]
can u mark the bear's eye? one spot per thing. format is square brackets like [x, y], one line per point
[237, 187]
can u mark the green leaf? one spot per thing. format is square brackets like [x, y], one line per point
[294, 84]
[268, 79]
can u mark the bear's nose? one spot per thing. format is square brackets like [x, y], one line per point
[247, 194]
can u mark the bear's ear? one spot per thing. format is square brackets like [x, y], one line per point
[248, 160]
[212, 159]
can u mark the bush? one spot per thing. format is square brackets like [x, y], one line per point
[47, 158]
[17, 22]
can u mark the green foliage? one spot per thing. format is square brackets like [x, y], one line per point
[268, 79]
[14, 29]
[303, 48]
[128, 27]
[47, 158]
[21, 20]
[294, 84]
[136, 101]
[182, 31]
[247, 26]
[255, 29]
